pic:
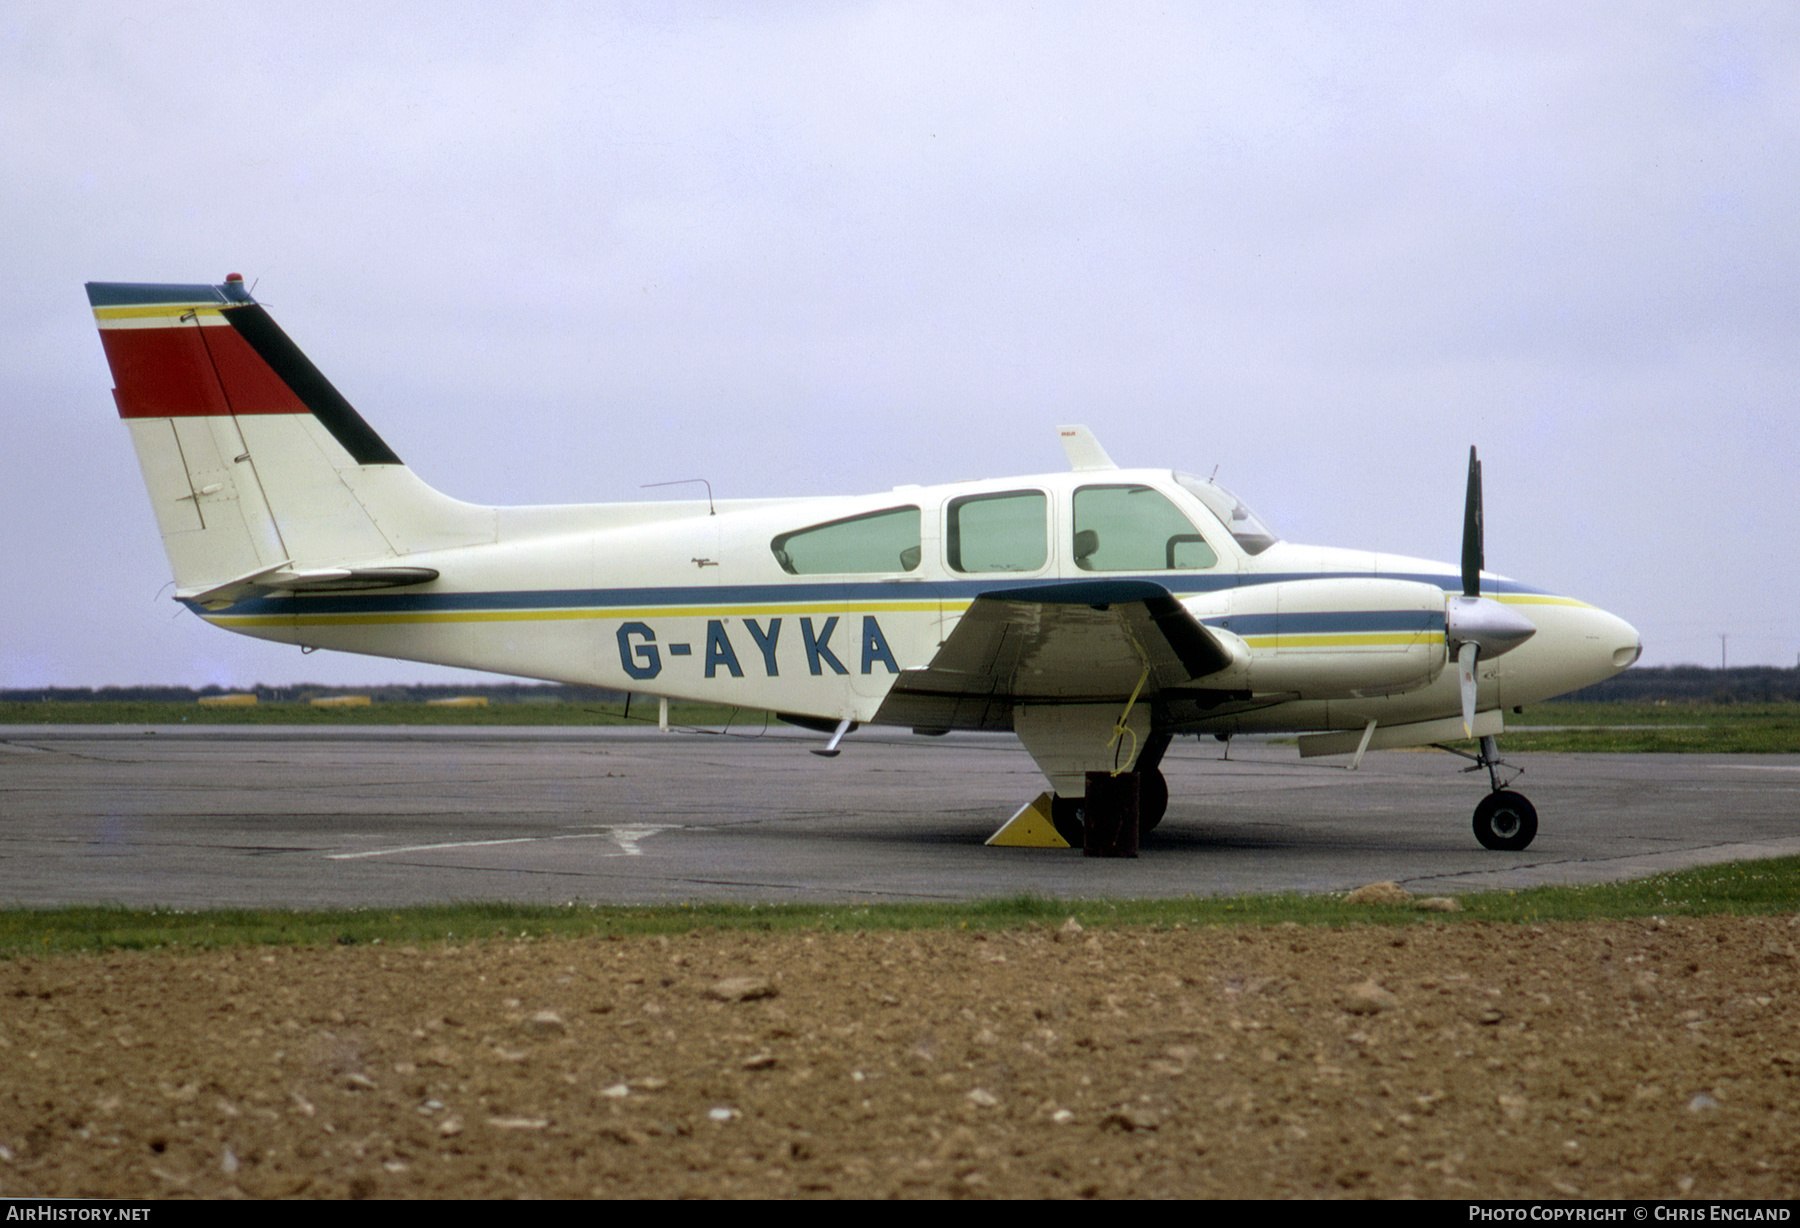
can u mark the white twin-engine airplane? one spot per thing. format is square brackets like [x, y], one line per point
[1094, 613]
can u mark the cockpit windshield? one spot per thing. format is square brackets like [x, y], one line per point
[1251, 533]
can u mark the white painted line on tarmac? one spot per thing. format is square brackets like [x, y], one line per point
[430, 848]
[626, 837]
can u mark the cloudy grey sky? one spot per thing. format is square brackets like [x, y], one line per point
[829, 248]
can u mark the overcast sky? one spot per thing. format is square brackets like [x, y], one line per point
[558, 252]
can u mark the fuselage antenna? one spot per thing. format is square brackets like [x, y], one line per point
[710, 510]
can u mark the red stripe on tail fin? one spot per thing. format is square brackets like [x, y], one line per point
[185, 371]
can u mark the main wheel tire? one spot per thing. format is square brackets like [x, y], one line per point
[1153, 799]
[1505, 821]
[1067, 817]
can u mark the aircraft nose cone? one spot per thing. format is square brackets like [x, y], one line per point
[1614, 639]
[1626, 655]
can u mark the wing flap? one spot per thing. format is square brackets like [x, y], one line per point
[1086, 641]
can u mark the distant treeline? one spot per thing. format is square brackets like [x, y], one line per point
[1672, 683]
[494, 693]
[1749, 684]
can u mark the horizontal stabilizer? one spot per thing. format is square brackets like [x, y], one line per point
[310, 580]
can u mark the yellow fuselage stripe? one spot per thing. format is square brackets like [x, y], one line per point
[1370, 639]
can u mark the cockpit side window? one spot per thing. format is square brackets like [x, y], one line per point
[1000, 532]
[1246, 528]
[880, 541]
[1135, 528]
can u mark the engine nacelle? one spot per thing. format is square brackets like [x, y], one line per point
[1336, 638]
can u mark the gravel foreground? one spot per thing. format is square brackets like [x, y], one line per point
[1636, 1059]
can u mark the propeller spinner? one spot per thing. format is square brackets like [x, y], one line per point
[1477, 626]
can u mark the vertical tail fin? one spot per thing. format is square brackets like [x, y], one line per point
[261, 473]
[212, 351]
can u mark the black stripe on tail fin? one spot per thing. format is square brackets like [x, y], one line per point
[296, 370]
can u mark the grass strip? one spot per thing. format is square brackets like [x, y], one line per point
[1715, 728]
[1738, 888]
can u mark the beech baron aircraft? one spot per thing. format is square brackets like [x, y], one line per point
[1095, 613]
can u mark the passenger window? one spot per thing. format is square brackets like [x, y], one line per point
[1135, 528]
[1003, 532]
[880, 541]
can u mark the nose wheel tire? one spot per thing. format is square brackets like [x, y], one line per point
[1505, 821]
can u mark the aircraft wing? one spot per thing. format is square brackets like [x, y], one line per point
[1088, 641]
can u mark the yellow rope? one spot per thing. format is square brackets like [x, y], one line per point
[1121, 729]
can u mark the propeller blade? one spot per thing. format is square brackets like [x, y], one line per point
[1465, 674]
[1474, 554]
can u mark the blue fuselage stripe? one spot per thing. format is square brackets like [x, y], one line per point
[1320, 622]
[851, 592]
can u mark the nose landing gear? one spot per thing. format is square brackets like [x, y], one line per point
[1504, 820]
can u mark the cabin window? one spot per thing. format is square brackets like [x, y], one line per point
[1001, 532]
[1135, 528]
[879, 541]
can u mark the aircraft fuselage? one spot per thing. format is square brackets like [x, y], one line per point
[691, 602]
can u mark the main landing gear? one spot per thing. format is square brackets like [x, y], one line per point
[1066, 817]
[1504, 820]
[1153, 799]
[1153, 802]
[1153, 795]
[1153, 790]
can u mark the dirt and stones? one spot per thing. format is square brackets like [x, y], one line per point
[1641, 1059]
